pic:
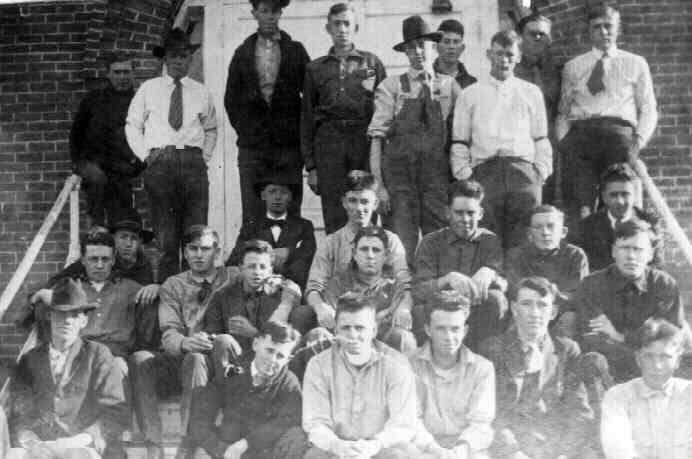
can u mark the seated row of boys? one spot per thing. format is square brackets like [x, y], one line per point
[361, 398]
[207, 301]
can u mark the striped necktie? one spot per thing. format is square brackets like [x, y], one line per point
[175, 113]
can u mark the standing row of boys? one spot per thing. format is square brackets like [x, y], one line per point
[220, 335]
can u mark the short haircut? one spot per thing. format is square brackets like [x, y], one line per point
[538, 284]
[618, 172]
[97, 238]
[451, 25]
[600, 10]
[114, 57]
[533, 17]
[256, 246]
[633, 227]
[446, 300]
[547, 209]
[194, 232]
[275, 4]
[339, 8]
[506, 38]
[372, 231]
[465, 189]
[279, 333]
[357, 180]
[350, 302]
[654, 329]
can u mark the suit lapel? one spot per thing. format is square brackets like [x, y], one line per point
[550, 362]
[71, 362]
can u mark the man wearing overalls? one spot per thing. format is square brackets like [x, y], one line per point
[409, 134]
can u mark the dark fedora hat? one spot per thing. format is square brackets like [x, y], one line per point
[69, 295]
[414, 28]
[176, 39]
[131, 220]
[260, 185]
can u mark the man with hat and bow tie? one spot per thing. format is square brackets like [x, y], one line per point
[607, 110]
[171, 125]
[68, 398]
[291, 237]
[409, 134]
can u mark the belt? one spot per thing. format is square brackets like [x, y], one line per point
[600, 120]
[173, 148]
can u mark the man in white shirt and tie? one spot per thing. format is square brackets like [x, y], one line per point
[500, 139]
[648, 417]
[607, 109]
[171, 125]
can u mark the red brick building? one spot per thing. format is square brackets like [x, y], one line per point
[49, 57]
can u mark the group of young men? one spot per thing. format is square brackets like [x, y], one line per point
[497, 334]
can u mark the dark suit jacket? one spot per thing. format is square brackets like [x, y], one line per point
[552, 405]
[260, 125]
[595, 236]
[298, 235]
[89, 397]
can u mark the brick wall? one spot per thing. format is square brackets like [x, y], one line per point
[49, 57]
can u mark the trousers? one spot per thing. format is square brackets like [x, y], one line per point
[178, 189]
[107, 193]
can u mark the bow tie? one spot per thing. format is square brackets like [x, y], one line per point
[275, 222]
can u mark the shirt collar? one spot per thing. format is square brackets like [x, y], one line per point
[453, 237]
[621, 282]
[169, 80]
[276, 37]
[200, 280]
[413, 74]
[613, 220]
[543, 345]
[509, 82]
[283, 217]
[464, 357]
[375, 355]
[597, 53]
[461, 69]
[353, 52]
[55, 353]
[535, 253]
[645, 391]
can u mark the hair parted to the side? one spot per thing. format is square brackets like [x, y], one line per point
[446, 300]
[279, 333]
[339, 8]
[633, 227]
[350, 302]
[538, 284]
[618, 172]
[533, 17]
[601, 9]
[102, 238]
[195, 232]
[506, 38]
[654, 329]
[256, 246]
[358, 180]
[465, 189]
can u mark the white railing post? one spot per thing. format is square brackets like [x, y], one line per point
[74, 251]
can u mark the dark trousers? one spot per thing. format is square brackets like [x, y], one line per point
[107, 193]
[178, 188]
[339, 147]
[589, 148]
[256, 165]
[512, 190]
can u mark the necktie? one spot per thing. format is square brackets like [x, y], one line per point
[204, 291]
[595, 83]
[275, 222]
[175, 113]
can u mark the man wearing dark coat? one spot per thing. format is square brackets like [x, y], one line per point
[68, 397]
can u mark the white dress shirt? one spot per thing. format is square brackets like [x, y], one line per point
[500, 115]
[147, 125]
[640, 422]
[58, 359]
[276, 229]
[628, 94]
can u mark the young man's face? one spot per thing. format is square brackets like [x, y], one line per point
[503, 60]
[127, 243]
[618, 198]
[464, 215]
[356, 330]
[267, 17]
[177, 62]
[604, 31]
[535, 39]
[658, 362]
[369, 255]
[533, 313]
[201, 254]
[342, 27]
[271, 357]
[98, 261]
[547, 231]
[450, 47]
[446, 331]
[632, 255]
[360, 206]
[419, 53]
[276, 198]
[66, 325]
[120, 75]
[256, 268]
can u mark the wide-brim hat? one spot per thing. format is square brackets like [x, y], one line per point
[176, 39]
[69, 295]
[415, 28]
[131, 220]
[260, 185]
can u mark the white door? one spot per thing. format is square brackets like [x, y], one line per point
[229, 22]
